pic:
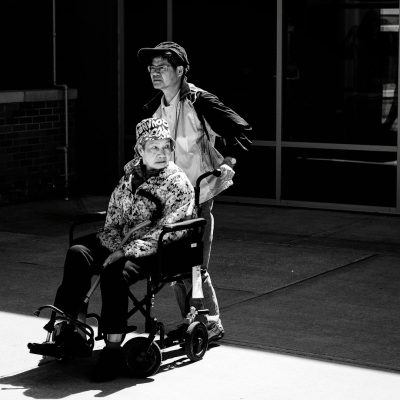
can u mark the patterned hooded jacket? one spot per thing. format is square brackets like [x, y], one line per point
[127, 208]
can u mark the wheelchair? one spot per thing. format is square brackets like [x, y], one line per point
[143, 354]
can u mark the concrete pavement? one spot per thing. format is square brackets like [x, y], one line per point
[261, 255]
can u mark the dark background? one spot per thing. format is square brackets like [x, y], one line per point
[220, 37]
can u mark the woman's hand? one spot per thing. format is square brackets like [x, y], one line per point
[130, 267]
[113, 257]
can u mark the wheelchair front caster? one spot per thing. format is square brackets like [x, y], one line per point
[142, 359]
[196, 341]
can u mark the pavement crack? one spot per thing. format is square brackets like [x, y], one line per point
[27, 262]
[283, 287]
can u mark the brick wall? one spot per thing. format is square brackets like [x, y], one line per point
[32, 135]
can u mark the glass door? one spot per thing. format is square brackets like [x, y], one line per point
[339, 102]
[231, 46]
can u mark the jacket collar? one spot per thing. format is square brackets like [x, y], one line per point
[155, 101]
[185, 89]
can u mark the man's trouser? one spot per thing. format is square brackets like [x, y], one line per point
[182, 288]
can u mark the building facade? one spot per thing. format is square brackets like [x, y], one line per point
[317, 79]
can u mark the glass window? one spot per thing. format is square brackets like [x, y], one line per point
[255, 174]
[231, 46]
[340, 75]
[339, 176]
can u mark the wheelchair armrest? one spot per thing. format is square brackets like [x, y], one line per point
[85, 219]
[196, 225]
[180, 226]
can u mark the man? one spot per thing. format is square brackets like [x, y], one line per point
[195, 117]
[125, 255]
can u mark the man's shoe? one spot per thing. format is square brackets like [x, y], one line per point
[176, 334]
[110, 365]
[215, 331]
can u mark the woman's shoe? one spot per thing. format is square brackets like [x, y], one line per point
[110, 364]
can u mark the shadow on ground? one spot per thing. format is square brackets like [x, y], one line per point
[57, 380]
[60, 379]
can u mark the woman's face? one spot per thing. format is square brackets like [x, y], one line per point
[156, 154]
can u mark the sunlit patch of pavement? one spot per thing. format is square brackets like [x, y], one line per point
[226, 372]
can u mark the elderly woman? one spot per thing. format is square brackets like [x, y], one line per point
[150, 178]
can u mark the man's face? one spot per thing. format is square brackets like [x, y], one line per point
[163, 75]
[156, 154]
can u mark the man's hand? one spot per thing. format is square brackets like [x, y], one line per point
[227, 173]
[113, 257]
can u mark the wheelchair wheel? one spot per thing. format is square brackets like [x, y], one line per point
[196, 341]
[142, 363]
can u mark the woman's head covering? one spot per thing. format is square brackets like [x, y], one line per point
[152, 129]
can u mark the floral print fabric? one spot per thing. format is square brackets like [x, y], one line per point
[127, 208]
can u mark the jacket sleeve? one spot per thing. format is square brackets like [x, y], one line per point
[178, 203]
[224, 121]
[111, 234]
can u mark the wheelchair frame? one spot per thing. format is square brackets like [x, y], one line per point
[143, 354]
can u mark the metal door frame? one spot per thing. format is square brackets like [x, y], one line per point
[279, 144]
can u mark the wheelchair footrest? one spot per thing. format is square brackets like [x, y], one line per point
[46, 349]
[62, 350]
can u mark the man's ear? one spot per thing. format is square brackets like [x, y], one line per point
[180, 70]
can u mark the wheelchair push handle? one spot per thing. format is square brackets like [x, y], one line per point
[216, 172]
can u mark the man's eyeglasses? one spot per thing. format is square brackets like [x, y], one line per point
[160, 69]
